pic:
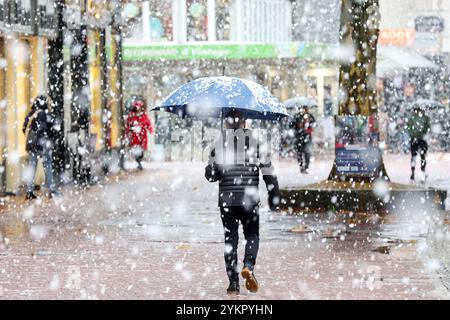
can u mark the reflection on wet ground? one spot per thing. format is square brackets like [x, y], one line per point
[152, 236]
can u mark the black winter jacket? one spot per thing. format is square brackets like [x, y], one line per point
[303, 125]
[37, 128]
[236, 166]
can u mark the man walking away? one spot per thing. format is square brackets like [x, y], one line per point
[418, 126]
[37, 129]
[303, 125]
[235, 162]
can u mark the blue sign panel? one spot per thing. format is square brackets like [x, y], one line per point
[357, 150]
[353, 160]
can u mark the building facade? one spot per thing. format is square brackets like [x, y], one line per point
[417, 28]
[93, 88]
[26, 27]
[201, 34]
[70, 51]
[424, 23]
[169, 43]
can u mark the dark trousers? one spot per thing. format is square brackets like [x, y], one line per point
[419, 146]
[304, 154]
[138, 156]
[249, 218]
[139, 159]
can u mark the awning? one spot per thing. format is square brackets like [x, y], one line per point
[394, 60]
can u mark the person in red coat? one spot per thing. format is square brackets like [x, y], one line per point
[137, 126]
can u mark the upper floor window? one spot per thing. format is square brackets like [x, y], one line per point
[197, 20]
[45, 14]
[161, 24]
[2, 10]
[132, 16]
[223, 19]
[21, 12]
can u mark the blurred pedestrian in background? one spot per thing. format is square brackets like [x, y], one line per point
[138, 126]
[418, 126]
[37, 128]
[303, 125]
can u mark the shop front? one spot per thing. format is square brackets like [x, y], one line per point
[104, 75]
[3, 123]
[286, 69]
[23, 76]
[95, 82]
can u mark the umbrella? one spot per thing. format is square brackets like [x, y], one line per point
[214, 97]
[297, 102]
[425, 104]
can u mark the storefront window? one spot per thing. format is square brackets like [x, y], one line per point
[45, 14]
[2, 10]
[161, 27]
[223, 18]
[197, 20]
[132, 16]
[21, 12]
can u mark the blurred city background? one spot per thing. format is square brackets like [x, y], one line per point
[94, 58]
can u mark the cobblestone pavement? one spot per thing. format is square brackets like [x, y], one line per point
[157, 234]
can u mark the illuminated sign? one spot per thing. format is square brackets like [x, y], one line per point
[170, 51]
[396, 37]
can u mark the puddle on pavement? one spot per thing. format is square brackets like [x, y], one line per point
[13, 230]
[383, 249]
[301, 229]
[404, 252]
[183, 247]
[333, 233]
[395, 234]
[446, 220]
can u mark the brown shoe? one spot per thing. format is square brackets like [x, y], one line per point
[250, 281]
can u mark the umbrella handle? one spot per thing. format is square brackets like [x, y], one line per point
[222, 133]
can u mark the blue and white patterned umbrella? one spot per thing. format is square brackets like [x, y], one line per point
[214, 97]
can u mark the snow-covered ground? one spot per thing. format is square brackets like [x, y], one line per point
[157, 235]
[397, 166]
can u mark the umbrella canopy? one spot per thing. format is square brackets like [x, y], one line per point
[214, 97]
[425, 104]
[297, 102]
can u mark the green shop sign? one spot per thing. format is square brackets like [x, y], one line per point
[188, 52]
[227, 51]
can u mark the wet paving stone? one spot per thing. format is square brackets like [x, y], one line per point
[144, 237]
